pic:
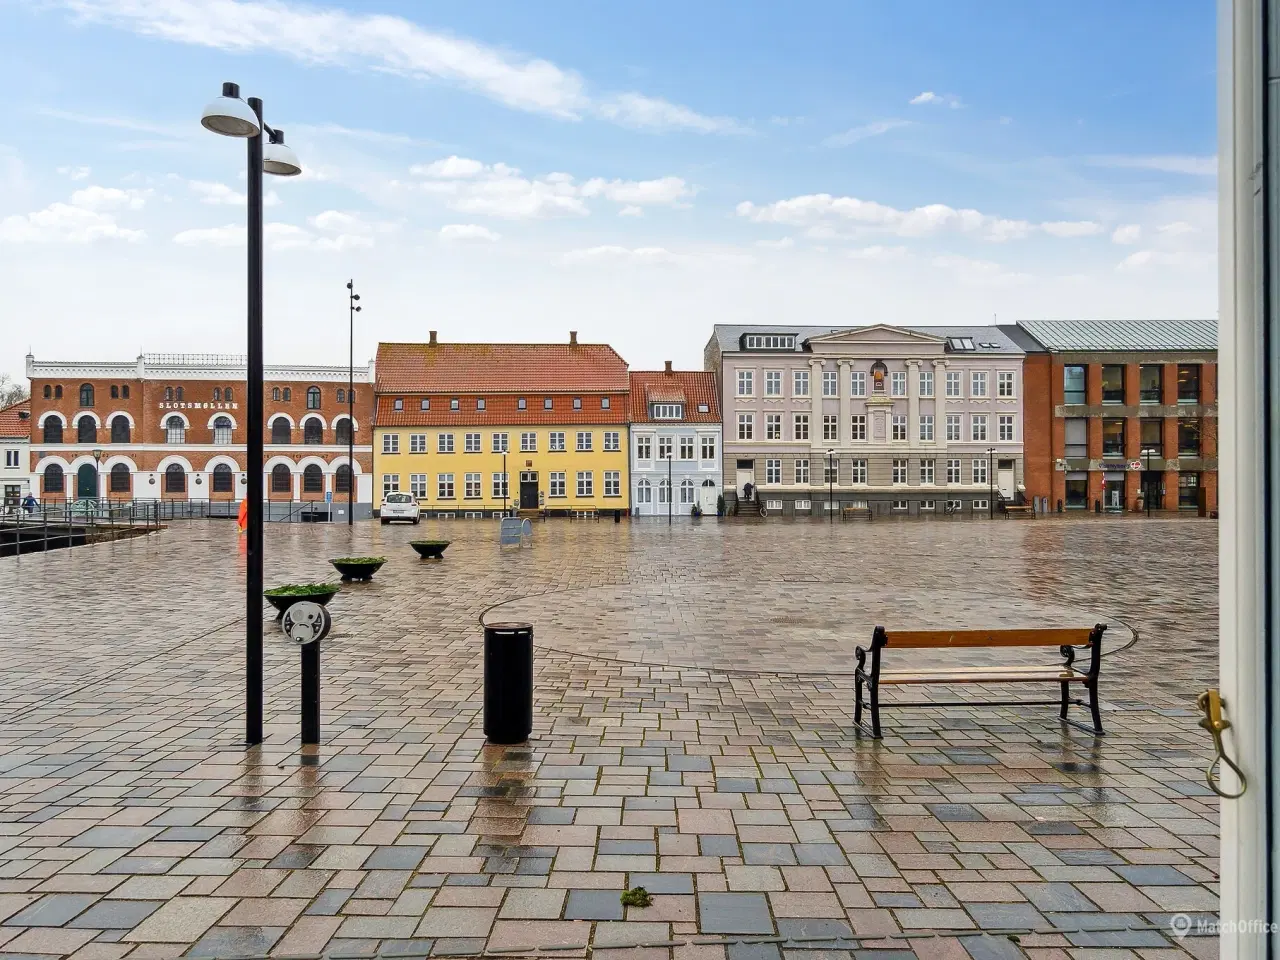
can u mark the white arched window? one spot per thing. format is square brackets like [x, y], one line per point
[664, 492]
[222, 431]
[644, 492]
[686, 491]
[175, 431]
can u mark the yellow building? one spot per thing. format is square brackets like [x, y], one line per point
[473, 428]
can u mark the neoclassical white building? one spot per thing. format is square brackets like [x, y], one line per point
[675, 442]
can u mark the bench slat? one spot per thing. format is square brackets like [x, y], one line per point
[984, 675]
[1051, 637]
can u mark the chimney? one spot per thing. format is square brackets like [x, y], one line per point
[573, 338]
[667, 371]
[433, 338]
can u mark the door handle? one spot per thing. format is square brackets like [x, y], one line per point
[1214, 720]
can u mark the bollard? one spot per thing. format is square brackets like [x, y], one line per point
[617, 516]
[308, 623]
[508, 682]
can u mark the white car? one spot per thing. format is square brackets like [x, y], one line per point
[400, 506]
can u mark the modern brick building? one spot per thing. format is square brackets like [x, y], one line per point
[1121, 412]
[15, 445]
[675, 442]
[172, 428]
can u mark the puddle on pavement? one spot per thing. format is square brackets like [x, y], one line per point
[505, 790]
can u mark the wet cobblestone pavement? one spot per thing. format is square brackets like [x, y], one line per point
[693, 735]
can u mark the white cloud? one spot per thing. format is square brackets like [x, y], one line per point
[936, 99]
[878, 253]
[979, 273]
[277, 236]
[221, 194]
[1169, 163]
[450, 168]
[456, 232]
[89, 215]
[631, 211]
[864, 132]
[665, 191]
[1127, 234]
[638, 255]
[389, 44]
[109, 198]
[1176, 229]
[1071, 228]
[232, 235]
[784, 244]
[1183, 259]
[74, 173]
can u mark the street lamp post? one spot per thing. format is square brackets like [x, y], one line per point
[1147, 455]
[670, 490]
[353, 309]
[991, 483]
[831, 490]
[505, 482]
[230, 116]
[97, 474]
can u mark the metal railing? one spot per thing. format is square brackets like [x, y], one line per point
[108, 510]
[58, 524]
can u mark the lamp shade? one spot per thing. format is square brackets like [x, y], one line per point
[278, 158]
[229, 115]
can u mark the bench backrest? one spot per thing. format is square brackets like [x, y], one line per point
[1049, 637]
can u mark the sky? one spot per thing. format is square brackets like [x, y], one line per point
[635, 172]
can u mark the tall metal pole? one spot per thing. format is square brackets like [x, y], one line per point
[1148, 452]
[670, 490]
[831, 493]
[351, 404]
[253, 453]
[505, 483]
[991, 484]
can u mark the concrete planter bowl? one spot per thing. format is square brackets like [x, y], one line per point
[430, 549]
[284, 597]
[357, 568]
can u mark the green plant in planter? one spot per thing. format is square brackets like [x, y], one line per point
[430, 549]
[359, 560]
[301, 590]
[358, 568]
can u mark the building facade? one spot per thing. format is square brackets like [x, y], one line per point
[895, 419]
[676, 441]
[15, 444]
[172, 428]
[1122, 413]
[472, 429]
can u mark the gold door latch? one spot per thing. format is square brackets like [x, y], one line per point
[1211, 705]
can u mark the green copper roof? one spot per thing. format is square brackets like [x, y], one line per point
[1124, 334]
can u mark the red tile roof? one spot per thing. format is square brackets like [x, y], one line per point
[487, 368]
[499, 410]
[13, 425]
[692, 387]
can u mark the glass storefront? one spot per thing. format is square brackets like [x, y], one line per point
[1188, 491]
[1113, 491]
[1077, 491]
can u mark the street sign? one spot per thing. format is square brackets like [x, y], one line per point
[328, 496]
[306, 622]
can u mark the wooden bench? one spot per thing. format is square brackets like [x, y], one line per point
[1018, 510]
[855, 513]
[1067, 640]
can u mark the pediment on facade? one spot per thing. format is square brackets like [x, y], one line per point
[880, 333]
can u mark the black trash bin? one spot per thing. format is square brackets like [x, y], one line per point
[508, 682]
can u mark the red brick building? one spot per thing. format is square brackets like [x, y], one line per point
[173, 428]
[1117, 413]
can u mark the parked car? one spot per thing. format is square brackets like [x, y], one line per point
[400, 506]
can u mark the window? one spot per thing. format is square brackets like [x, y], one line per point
[858, 427]
[899, 471]
[499, 443]
[86, 430]
[120, 479]
[312, 479]
[800, 383]
[175, 431]
[417, 485]
[528, 443]
[830, 427]
[898, 384]
[281, 479]
[773, 504]
[926, 427]
[899, 427]
[926, 471]
[859, 471]
[275, 394]
[342, 479]
[831, 469]
[746, 426]
[281, 431]
[471, 486]
[417, 443]
[11, 458]
[1073, 384]
[577, 403]
[555, 440]
[86, 396]
[1004, 383]
[52, 430]
[57, 392]
[444, 443]
[953, 426]
[454, 404]
[546, 403]
[664, 492]
[613, 483]
[226, 393]
[1188, 490]
[1004, 426]
[773, 383]
[312, 431]
[668, 411]
[471, 442]
[604, 403]
[342, 431]
[800, 427]
[221, 429]
[501, 487]
[1113, 383]
[773, 471]
[979, 471]
[978, 383]
[115, 393]
[709, 448]
[313, 399]
[664, 448]
[802, 505]
[175, 479]
[612, 440]
[288, 395]
[1150, 383]
[771, 342]
[444, 486]
[390, 441]
[397, 403]
[1188, 383]
[926, 504]
[858, 383]
[342, 395]
[899, 505]
[48, 391]
[54, 481]
[424, 403]
[979, 505]
[522, 404]
[1152, 433]
[584, 441]
[953, 471]
[1188, 438]
[802, 471]
[953, 383]
[926, 383]
[978, 426]
[1113, 437]
[390, 482]
[686, 443]
[644, 492]
[830, 386]
[773, 426]
[585, 484]
[1077, 437]
[480, 403]
[686, 491]
[644, 448]
[961, 343]
[746, 383]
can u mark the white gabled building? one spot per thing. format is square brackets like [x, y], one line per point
[15, 442]
[676, 435]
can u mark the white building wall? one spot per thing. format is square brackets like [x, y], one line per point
[17, 453]
[654, 470]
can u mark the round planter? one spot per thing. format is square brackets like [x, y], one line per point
[357, 571]
[430, 549]
[285, 601]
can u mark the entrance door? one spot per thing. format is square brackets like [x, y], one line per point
[707, 496]
[1152, 481]
[1113, 491]
[746, 474]
[1004, 479]
[87, 482]
[528, 490]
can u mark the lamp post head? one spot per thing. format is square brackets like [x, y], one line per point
[279, 159]
[97, 456]
[230, 116]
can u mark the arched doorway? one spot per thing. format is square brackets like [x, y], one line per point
[87, 482]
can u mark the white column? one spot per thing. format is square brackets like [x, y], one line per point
[296, 478]
[844, 429]
[817, 446]
[940, 421]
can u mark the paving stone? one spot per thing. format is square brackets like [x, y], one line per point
[52, 910]
[734, 913]
[593, 905]
[116, 914]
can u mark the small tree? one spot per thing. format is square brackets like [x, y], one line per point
[12, 391]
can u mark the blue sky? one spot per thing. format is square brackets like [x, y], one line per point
[636, 172]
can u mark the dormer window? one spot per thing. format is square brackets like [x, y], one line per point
[577, 403]
[704, 408]
[399, 403]
[522, 404]
[963, 344]
[667, 411]
[770, 341]
[480, 404]
[453, 404]
[424, 404]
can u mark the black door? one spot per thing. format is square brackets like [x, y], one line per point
[87, 482]
[528, 491]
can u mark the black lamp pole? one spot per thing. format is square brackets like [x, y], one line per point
[505, 482]
[254, 402]
[991, 484]
[670, 490]
[352, 297]
[1147, 452]
[831, 479]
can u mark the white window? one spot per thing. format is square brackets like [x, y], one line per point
[417, 443]
[471, 485]
[772, 341]
[391, 443]
[644, 492]
[604, 403]
[613, 483]
[471, 442]
[858, 383]
[444, 486]
[555, 485]
[954, 505]
[644, 448]
[830, 386]
[11, 458]
[980, 505]
[773, 383]
[584, 441]
[953, 383]
[686, 491]
[555, 440]
[501, 486]
[418, 485]
[686, 445]
[773, 504]
[899, 471]
[773, 471]
[773, 426]
[953, 471]
[899, 505]
[978, 383]
[499, 443]
[1004, 383]
[802, 471]
[746, 383]
[859, 471]
[801, 427]
[899, 426]
[664, 448]
[979, 471]
[585, 484]
[800, 383]
[1004, 426]
[528, 443]
[926, 471]
[926, 504]
[612, 440]
[926, 426]
[978, 426]
[858, 429]
[830, 427]
[668, 411]
[926, 383]
[953, 426]
[746, 426]
[801, 505]
[390, 483]
[444, 443]
[708, 448]
[663, 491]
[898, 384]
